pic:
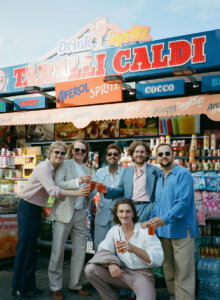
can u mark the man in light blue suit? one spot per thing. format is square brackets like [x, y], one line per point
[110, 176]
[138, 182]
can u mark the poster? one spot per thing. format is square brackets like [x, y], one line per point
[139, 127]
[66, 131]
[8, 235]
[102, 129]
[42, 132]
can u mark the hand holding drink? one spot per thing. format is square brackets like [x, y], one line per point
[101, 188]
[84, 191]
[92, 185]
[120, 246]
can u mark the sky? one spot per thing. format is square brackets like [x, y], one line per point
[32, 28]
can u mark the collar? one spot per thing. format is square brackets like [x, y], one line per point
[117, 172]
[48, 162]
[142, 169]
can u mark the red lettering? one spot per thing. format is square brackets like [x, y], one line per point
[73, 68]
[59, 74]
[141, 59]
[199, 49]
[30, 76]
[18, 74]
[157, 61]
[32, 102]
[101, 71]
[180, 52]
[45, 73]
[118, 65]
[22, 103]
[88, 71]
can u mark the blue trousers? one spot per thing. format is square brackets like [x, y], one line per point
[29, 221]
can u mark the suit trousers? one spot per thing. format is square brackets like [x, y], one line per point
[179, 267]
[29, 222]
[140, 281]
[77, 230]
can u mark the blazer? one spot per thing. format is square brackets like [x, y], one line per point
[105, 206]
[125, 187]
[67, 179]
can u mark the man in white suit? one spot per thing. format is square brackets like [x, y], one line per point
[69, 215]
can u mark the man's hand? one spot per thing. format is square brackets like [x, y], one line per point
[144, 224]
[127, 246]
[83, 191]
[156, 222]
[85, 179]
[115, 271]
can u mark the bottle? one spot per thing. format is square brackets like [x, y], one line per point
[206, 142]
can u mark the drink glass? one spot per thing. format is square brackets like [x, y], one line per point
[120, 249]
[100, 187]
[88, 185]
[151, 229]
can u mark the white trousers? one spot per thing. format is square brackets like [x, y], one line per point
[77, 230]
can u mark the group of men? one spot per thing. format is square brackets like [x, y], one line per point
[162, 197]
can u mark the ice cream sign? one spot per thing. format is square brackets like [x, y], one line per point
[102, 34]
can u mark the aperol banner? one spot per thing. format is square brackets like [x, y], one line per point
[87, 91]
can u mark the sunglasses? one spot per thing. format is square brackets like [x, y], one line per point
[160, 154]
[77, 150]
[112, 154]
[60, 152]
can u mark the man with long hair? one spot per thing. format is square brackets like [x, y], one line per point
[132, 266]
[69, 215]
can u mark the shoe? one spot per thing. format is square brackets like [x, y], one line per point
[80, 292]
[19, 295]
[58, 295]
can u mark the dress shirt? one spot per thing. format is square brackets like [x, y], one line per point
[139, 185]
[175, 204]
[150, 243]
[79, 199]
[40, 185]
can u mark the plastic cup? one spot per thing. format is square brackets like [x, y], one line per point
[89, 189]
[151, 229]
[120, 249]
[100, 187]
[92, 185]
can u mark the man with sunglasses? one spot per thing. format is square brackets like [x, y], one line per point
[138, 182]
[110, 176]
[69, 215]
[175, 220]
[33, 199]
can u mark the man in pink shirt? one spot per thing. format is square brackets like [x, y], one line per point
[33, 198]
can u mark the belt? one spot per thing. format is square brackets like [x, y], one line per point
[141, 202]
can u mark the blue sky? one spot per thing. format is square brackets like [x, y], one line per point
[31, 28]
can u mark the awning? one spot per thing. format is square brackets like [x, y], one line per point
[82, 116]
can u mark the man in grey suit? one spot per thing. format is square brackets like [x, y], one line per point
[69, 215]
[110, 176]
[138, 182]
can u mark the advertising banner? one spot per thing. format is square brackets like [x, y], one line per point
[87, 91]
[160, 89]
[211, 83]
[8, 235]
[26, 103]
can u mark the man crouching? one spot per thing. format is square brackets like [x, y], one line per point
[125, 259]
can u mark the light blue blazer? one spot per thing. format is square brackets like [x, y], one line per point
[125, 187]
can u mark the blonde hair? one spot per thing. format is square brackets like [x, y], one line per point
[72, 146]
[55, 145]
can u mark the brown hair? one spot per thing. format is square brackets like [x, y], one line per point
[113, 146]
[115, 209]
[72, 146]
[134, 145]
[55, 145]
[164, 144]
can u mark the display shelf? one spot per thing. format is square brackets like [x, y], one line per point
[205, 171]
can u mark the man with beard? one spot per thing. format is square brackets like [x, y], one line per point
[110, 176]
[175, 218]
[138, 182]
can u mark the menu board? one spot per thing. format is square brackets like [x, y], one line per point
[139, 127]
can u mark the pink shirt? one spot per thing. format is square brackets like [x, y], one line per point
[139, 185]
[40, 185]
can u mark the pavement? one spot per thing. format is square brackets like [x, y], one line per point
[6, 273]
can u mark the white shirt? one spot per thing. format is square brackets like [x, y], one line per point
[150, 243]
[79, 199]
